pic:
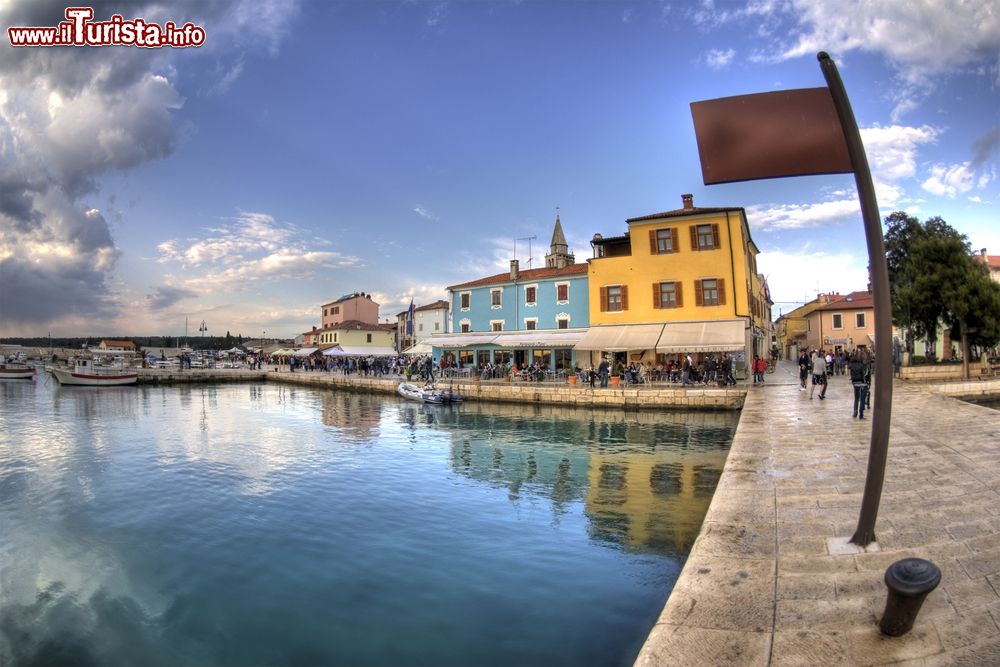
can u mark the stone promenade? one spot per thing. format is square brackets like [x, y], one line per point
[763, 585]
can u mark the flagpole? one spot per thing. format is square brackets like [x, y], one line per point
[882, 412]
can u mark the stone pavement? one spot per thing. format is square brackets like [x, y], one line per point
[762, 586]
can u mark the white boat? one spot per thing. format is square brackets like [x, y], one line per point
[15, 369]
[410, 391]
[86, 373]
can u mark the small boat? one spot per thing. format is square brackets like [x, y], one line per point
[410, 391]
[448, 396]
[86, 373]
[15, 369]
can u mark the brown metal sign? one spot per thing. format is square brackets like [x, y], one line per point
[770, 135]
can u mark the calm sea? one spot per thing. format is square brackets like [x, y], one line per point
[271, 525]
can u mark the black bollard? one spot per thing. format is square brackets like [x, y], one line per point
[909, 581]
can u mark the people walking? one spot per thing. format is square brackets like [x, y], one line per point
[727, 369]
[803, 370]
[858, 369]
[819, 376]
[604, 370]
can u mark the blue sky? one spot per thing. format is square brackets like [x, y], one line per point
[310, 149]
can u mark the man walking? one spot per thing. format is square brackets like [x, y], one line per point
[803, 369]
[603, 371]
[819, 376]
[858, 368]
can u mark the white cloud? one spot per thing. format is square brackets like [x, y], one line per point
[718, 59]
[424, 213]
[797, 277]
[782, 217]
[951, 180]
[892, 150]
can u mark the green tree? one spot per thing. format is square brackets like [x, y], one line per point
[922, 259]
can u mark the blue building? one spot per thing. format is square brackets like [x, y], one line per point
[520, 317]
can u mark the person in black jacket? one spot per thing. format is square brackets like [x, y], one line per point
[859, 369]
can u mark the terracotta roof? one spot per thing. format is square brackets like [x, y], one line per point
[852, 301]
[610, 239]
[994, 261]
[683, 212]
[127, 344]
[440, 303]
[529, 274]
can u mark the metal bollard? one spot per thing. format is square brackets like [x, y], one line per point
[909, 581]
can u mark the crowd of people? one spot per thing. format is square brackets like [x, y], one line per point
[820, 365]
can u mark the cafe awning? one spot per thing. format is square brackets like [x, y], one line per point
[462, 340]
[363, 351]
[305, 351]
[539, 339]
[422, 347]
[621, 337]
[711, 336]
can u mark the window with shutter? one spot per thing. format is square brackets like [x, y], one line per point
[604, 299]
[615, 297]
[698, 294]
[694, 237]
[720, 286]
[715, 237]
[624, 289]
[677, 294]
[656, 295]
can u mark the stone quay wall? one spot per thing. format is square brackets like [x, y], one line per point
[665, 397]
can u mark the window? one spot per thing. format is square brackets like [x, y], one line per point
[324, 312]
[563, 358]
[482, 357]
[531, 324]
[667, 295]
[369, 338]
[562, 292]
[334, 337]
[859, 321]
[464, 300]
[530, 294]
[704, 237]
[496, 298]
[437, 326]
[663, 241]
[838, 321]
[542, 357]
[466, 327]
[562, 323]
[465, 357]
[710, 292]
[614, 298]
[501, 356]
[496, 325]
[335, 311]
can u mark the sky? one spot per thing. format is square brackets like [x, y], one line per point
[310, 149]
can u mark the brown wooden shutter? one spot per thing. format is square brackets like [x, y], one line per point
[653, 249]
[722, 291]
[677, 292]
[694, 237]
[656, 296]
[715, 237]
[604, 299]
[624, 297]
[675, 245]
[697, 293]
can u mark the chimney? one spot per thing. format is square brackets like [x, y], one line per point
[982, 253]
[514, 269]
[688, 201]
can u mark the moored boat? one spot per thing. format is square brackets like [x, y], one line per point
[410, 391]
[15, 369]
[86, 373]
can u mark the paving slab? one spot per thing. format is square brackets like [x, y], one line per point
[771, 579]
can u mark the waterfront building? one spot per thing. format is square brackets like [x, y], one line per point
[428, 320]
[117, 345]
[842, 322]
[679, 282]
[357, 338]
[520, 317]
[992, 263]
[792, 328]
[354, 307]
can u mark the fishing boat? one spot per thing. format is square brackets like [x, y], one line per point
[15, 369]
[88, 373]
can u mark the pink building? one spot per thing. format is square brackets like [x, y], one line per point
[357, 306]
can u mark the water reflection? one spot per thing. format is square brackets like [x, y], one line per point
[646, 479]
[259, 524]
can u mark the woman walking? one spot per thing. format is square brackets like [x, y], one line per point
[858, 368]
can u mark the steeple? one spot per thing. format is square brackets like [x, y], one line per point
[559, 255]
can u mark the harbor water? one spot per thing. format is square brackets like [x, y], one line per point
[264, 524]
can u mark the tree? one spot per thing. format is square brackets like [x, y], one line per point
[922, 259]
[973, 310]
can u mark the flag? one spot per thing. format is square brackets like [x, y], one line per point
[409, 319]
[770, 135]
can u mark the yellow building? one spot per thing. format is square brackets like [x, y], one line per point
[357, 338]
[678, 282]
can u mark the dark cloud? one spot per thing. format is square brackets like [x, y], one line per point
[984, 147]
[70, 115]
[166, 296]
